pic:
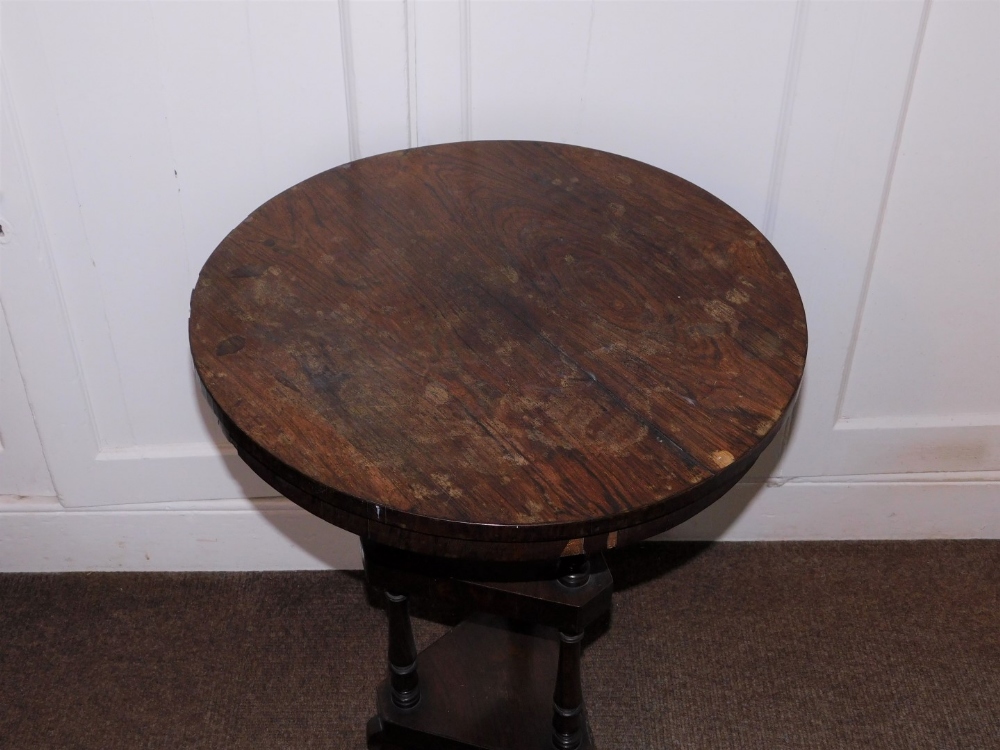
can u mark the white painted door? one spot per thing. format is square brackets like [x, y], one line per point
[860, 137]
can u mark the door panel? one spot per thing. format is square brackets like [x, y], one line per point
[921, 389]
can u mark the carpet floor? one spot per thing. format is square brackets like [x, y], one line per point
[760, 645]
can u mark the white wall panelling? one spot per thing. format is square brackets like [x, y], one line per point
[22, 466]
[855, 69]
[121, 235]
[28, 97]
[30, 297]
[441, 71]
[527, 67]
[651, 66]
[861, 137]
[23, 471]
[921, 391]
[378, 33]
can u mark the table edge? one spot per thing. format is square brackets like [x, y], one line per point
[450, 538]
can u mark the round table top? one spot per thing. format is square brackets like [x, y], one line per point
[498, 349]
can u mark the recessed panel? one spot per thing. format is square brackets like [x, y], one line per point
[928, 350]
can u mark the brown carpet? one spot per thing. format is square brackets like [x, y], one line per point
[788, 645]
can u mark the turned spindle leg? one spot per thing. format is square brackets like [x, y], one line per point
[567, 702]
[402, 654]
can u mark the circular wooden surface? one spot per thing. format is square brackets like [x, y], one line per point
[498, 349]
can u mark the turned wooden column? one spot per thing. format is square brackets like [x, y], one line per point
[402, 653]
[567, 701]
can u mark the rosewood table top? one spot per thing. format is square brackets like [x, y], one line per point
[498, 350]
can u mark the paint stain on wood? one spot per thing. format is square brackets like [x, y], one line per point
[721, 312]
[737, 296]
[722, 459]
[436, 394]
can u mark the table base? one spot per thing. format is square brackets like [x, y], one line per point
[487, 684]
[507, 678]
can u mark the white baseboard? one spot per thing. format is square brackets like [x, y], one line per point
[39, 534]
[868, 508]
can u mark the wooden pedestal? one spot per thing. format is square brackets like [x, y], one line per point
[492, 683]
[487, 684]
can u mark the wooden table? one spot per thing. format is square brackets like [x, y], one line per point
[493, 361]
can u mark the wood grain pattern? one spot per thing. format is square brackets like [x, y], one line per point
[498, 342]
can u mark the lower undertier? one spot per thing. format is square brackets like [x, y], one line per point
[487, 684]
